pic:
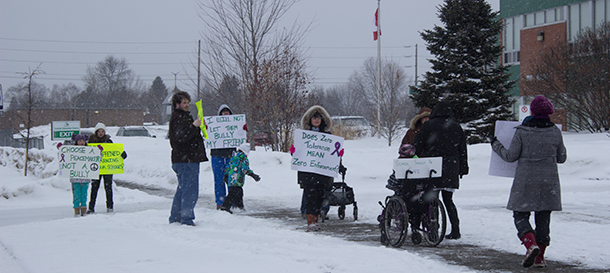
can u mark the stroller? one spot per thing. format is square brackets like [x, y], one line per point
[339, 194]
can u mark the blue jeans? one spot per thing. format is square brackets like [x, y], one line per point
[219, 164]
[187, 193]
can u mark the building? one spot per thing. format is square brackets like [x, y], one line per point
[531, 25]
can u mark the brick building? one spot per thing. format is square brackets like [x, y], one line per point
[532, 25]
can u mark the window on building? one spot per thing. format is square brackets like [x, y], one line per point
[539, 18]
[600, 11]
[585, 15]
[574, 21]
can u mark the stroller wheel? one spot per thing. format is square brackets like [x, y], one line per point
[342, 212]
[355, 213]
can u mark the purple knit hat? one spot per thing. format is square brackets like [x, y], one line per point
[541, 107]
[81, 136]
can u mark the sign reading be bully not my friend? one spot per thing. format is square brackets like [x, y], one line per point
[316, 152]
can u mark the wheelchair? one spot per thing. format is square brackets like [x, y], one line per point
[414, 204]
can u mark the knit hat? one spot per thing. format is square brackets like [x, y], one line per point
[78, 137]
[541, 107]
[98, 126]
[406, 150]
[245, 148]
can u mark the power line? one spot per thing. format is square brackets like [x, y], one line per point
[91, 42]
[76, 52]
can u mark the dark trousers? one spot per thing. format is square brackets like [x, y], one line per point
[235, 197]
[543, 225]
[95, 186]
[314, 195]
[451, 209]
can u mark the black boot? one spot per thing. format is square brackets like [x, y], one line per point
[455, 233]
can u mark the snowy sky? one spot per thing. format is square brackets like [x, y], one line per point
[38, 232]
[159, 38]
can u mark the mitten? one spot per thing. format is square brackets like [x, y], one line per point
[124, 155]
[292, 150]
[100, 147]
[245, 127]
[256, 177]
[341, 152]
[342, 169]
[225, 178]
[59, 145]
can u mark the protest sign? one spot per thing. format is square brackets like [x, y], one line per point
[505, 130]
[200, 116]
[419, 167]
[112, 162]
[225, 131]
[79, 162]
[316, 152]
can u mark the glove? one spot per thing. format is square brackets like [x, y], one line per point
[292, 150]
[225, 178]
[256, 177]
[100, 147]
[124, 155]
[342, 169]
[494, 140]
[341, 152]
[245, 127]
[59, 145]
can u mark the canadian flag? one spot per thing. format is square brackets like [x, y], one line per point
[376, 31]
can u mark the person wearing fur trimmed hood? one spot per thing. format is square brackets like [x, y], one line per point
[220, 161]
[100, 136]
[235, 176]
[422, 116]
[537, 146]
[315, 119]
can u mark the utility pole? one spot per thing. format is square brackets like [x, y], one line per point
[175, 75]
[378, 68]
[415, 62]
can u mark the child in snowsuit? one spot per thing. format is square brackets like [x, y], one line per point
[234, 176]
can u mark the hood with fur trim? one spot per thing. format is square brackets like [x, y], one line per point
[223, 107]
[327, 123]
[423, 112]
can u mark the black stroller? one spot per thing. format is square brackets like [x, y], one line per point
[339, 194]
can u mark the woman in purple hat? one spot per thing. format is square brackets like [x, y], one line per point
[537, 146]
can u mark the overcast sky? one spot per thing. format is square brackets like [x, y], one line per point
[159, 38]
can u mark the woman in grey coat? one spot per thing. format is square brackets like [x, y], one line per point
[537, 146]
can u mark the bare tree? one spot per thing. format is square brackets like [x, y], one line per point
[31, 104]
[393, 97]
[282, 99]
[575, 77]
[242, 34]
[114, 82]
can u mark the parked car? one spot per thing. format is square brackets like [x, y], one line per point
[350, 127]
[134, 131]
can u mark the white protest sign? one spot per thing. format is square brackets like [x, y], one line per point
[505, 130]
[316, 152]
[225, 131]
[79, 162]
[419, 167]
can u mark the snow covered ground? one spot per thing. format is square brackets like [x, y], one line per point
[38, 232]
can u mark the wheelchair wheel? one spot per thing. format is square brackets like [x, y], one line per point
[434, 223]
[395, 221]
[341, 212]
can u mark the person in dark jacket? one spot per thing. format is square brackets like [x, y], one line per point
[100, 136]
[416, 123]
[220, 161]
[188, 150]
[537, 146]
[443, 136]
[315, 119]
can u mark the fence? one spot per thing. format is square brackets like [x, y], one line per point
[6, 139]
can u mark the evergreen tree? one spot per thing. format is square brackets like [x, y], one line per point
[153, 98]
[465, 71]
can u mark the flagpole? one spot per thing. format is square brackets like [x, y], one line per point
[378, 67]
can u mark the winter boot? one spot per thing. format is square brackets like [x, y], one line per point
[529, 241]
[83, 211]
[455, 233]
[76, 212]
[539, 261]
[312, 222]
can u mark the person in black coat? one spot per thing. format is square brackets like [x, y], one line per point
[188, 150]
[443, 136]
